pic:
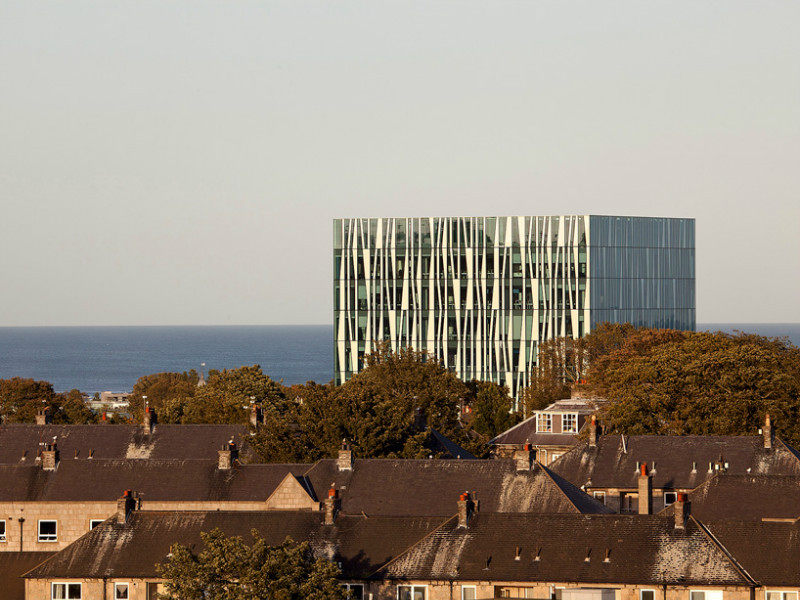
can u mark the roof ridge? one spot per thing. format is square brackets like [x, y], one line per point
[723, 549]
[510, 429]
[560, 489]
[414, 545]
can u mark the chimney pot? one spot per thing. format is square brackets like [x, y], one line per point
[149, 419]
[331, 506]
[465, 506]
[43, 416]
[125, 505]
[593, 431]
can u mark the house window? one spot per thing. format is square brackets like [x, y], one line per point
[65, 591]
[2, 531]
[355, 591]
[770, 595]
[468, 592]
[647, 595]
[629, 503]
[411, 592]
[600, 497]
[569, 423]
[544, 423]
[121, 591]
[555, 456]
[705, 595]
[670, 498]
[48, 532]
[94, 523]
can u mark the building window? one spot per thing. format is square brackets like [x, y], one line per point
[121, 591]
[411, 592]
[468, 592]
[94, 523]
[670, 498]
[355, 591]
[544, 423]
[555, 456]
[647, 595]
[770, 595]
[66, 591]
[600, 497]
[705, 595]
[569, 423]
[629, 503]
[48, 532]
[2, 531]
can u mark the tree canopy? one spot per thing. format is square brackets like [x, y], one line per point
[21, 399]
[228, 568]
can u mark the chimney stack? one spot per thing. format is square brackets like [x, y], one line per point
[255, 415]
[43, 416]
[227, 455]
[681, 508]
[524, 458]
[345, 460]
[593, 431]
[50, 457]
[331, 506]
[767, 431]
[465, 506]
[645, 491]
[149, 419]
[125, 505]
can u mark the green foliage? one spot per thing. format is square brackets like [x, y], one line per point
[227, 568]
[491, 409]
[168, 393]
[21, 399]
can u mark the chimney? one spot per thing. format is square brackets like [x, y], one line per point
[50, 457]
[681, 510]
[331, 506]
[465, 506]
[255, 415]
[227, 455]
[345, 460]
[149, 419]
[645, 491]
[419, 420]
[593, 431]
[524, 458]
[767, 431]
[125, 505]
[43, 416]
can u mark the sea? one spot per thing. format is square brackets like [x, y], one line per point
[97, 359]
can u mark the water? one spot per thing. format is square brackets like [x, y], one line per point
[94, 359]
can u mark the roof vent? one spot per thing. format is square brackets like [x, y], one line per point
[517, 553]
[607, 559]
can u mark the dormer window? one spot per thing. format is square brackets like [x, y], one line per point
[569, 423]
[544, 423]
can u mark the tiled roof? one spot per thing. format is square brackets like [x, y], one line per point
[361, 544]
[620, 549]
[746, 497]
[613, 463]
[525, 432]
[12, 566]
[769, 552]
[21, 443]
[427, 487]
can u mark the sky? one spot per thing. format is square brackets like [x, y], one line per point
[181, 162]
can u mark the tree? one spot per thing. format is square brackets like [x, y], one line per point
[21, 399]
[168, 393]
[491, 409]
[227, 568]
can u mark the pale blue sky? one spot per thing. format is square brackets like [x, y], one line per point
[180, 162]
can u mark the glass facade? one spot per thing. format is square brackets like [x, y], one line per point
[479, 293]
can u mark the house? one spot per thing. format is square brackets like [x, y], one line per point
[615, 469]
[550, 432]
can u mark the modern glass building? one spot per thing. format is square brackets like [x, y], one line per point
[479, 293]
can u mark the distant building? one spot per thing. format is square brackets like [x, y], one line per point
[549, 432]
[480, 293]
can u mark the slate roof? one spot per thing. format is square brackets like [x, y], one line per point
[746, 497]
[613, 465]
[640, 550]
[427, 487]
[769, 552]
[525, 432]
[21, 443]
[361, 544]
[12, 566]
